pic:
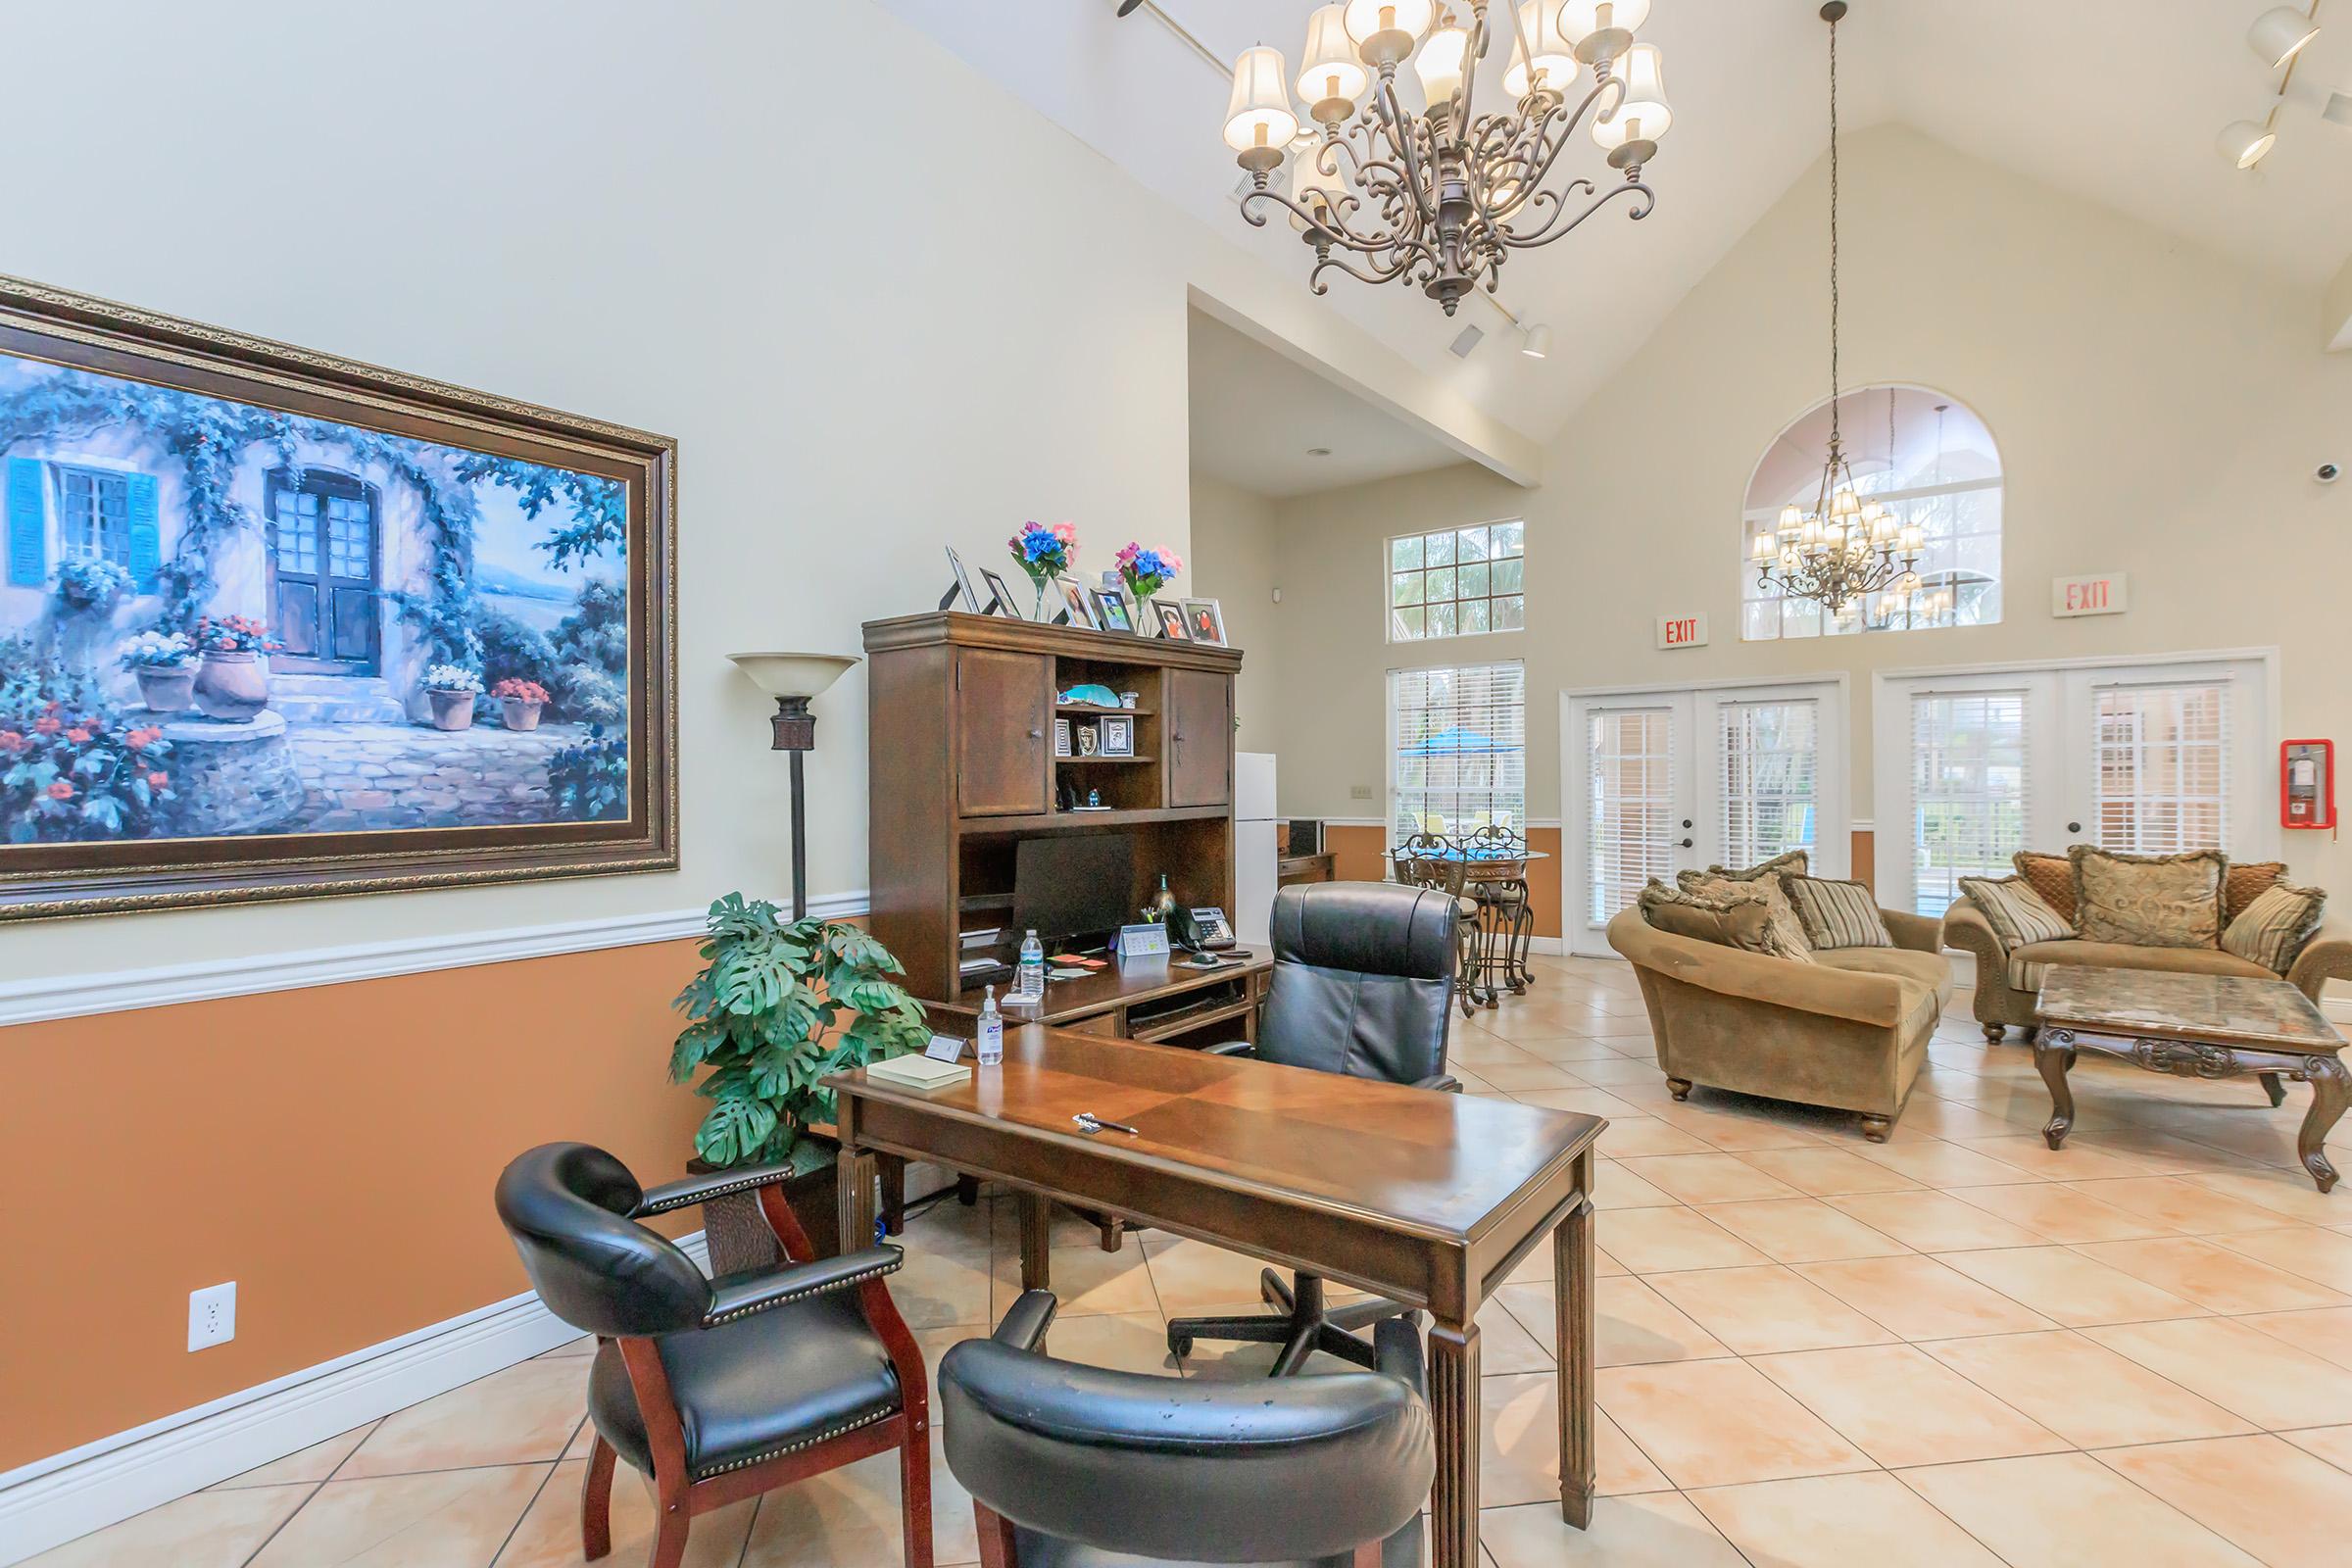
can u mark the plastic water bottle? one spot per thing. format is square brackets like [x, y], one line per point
[990, 1044]
[1031, 983]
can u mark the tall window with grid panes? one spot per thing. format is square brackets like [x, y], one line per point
[1929, 460]
[1457, 582]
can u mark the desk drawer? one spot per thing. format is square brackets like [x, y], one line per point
[1102, 1023]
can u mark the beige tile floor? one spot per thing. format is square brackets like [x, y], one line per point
[1957, 1347]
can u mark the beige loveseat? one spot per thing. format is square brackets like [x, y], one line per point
[1849, 1030]
[2007, 983]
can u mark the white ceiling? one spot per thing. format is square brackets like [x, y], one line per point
[1256, 419]
[2116, 100]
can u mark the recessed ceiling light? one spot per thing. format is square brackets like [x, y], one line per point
[1319, 452]
[2245, 142]
[2279, 34]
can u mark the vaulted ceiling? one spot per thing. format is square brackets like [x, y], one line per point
[2117, 101]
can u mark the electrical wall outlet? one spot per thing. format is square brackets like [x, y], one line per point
[211, 1315]
[1359, 792]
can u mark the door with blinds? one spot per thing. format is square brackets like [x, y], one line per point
[1662, 781]
[2145, 758]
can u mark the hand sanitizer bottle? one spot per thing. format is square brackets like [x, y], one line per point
[1031, 985]
[990, 1045]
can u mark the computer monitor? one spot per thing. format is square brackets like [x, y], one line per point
[1072, 885]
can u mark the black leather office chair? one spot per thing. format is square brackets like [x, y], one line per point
[1076, 1467]
[1363, 984]
[719, 1388]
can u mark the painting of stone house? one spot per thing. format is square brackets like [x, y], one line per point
[217, 619]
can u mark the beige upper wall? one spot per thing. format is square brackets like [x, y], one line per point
[1233, 563]
[2159, 409]
[632, 214]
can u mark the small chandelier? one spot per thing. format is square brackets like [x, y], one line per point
[1438, 198]
[1846, 547]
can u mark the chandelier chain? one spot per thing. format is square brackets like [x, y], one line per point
[1833, 299]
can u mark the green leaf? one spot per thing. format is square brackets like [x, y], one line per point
[693, 1047]
[735, 1131]
[752, 978]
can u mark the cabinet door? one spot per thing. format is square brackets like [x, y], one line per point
[1199, 738]
[1003, 718]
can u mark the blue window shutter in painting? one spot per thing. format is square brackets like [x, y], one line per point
[146, 539]
[27, 524]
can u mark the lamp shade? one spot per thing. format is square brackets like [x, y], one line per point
[2279, 34]
[1537, 345]
[793, 674]
[1552, 52]
[1330, 69]
[1441, 62]
[2247, 142]
[1310, 188]
[1260, 114]
[1645, 114]
[1580, 19]
[1367, 16]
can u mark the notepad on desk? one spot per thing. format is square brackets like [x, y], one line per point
[919, 1072]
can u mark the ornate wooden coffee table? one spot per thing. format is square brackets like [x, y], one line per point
[2194, 1026]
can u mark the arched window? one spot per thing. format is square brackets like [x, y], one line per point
[1929, 459]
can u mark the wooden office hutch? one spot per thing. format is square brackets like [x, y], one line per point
[962, 768]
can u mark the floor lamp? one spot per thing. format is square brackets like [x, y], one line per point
[794, 680]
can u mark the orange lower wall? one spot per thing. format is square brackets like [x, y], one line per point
[332, 1150]
[1360, 855]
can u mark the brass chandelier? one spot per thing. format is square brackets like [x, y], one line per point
[1846, 547]
[1440, 197]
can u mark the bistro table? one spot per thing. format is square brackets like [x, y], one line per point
[1492, 876]
[2208, 1026]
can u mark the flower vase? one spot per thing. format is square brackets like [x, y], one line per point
[165, 689]
[1038, 612]
[232, 685]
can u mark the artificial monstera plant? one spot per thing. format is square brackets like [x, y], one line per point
[780, 1005]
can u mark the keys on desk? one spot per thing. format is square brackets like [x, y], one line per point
[1089, 1124]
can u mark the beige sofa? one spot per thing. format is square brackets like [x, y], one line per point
[1849, 1030]
[2006, 983]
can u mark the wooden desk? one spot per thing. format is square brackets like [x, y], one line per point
[1140, 999]
[1295, 868]
[1427, 1199]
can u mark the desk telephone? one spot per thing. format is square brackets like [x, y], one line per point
[1199, 930]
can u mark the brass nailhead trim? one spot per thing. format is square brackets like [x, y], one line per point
[795, 1448]
[857, 1278]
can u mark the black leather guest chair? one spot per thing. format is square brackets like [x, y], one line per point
[1076, 1467]
[1364, 982]
[720, 1389]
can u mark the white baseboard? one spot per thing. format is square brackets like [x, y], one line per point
[72, 1494]
[1549, 947]
[43, 998]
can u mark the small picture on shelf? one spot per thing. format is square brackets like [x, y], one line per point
[1110, 611]
[963, 586]
[1088, 740]
[1075, 599]
[1061, 737]
[1004, 595]
[1205, 619]
[1116, 738]
[1171, 622]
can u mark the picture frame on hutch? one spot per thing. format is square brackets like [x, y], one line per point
[1076, 603]
[1110, 611]
[1170, 617]
[1002, 595]
[278, 624]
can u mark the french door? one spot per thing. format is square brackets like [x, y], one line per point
[2147, 758]
[1662, 781]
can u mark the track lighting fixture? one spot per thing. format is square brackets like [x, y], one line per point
[2279, 34]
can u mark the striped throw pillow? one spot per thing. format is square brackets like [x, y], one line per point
[2017, 913]
[2273, 929]
[1838, 914]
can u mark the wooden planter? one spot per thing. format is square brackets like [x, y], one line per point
[738, 1234]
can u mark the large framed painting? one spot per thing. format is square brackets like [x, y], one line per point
[276, 625]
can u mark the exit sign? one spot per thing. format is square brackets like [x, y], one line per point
[2107, 594]
[1682, 632]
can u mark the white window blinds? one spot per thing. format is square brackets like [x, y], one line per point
[1628, 805]
[2159, 768]
[1770, 779]
[1460, 753]
[1967, 790]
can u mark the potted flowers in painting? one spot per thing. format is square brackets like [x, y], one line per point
[451, 690]
[232, 684]
[164, 664]
[1044, 553]
[778, 1007]
[519, 702]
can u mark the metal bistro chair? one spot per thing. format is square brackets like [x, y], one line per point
[1496, 882]
[1436, 864]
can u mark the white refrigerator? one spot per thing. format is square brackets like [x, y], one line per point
[1253, 856]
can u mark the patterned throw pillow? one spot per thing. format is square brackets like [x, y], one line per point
[2148, 900]
[2247, 881]
[2273, 929]
[1784, 932]
[1734, 919]
[2051, 875]
[1837, 914]
[1796, 862]
[2016, 911]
